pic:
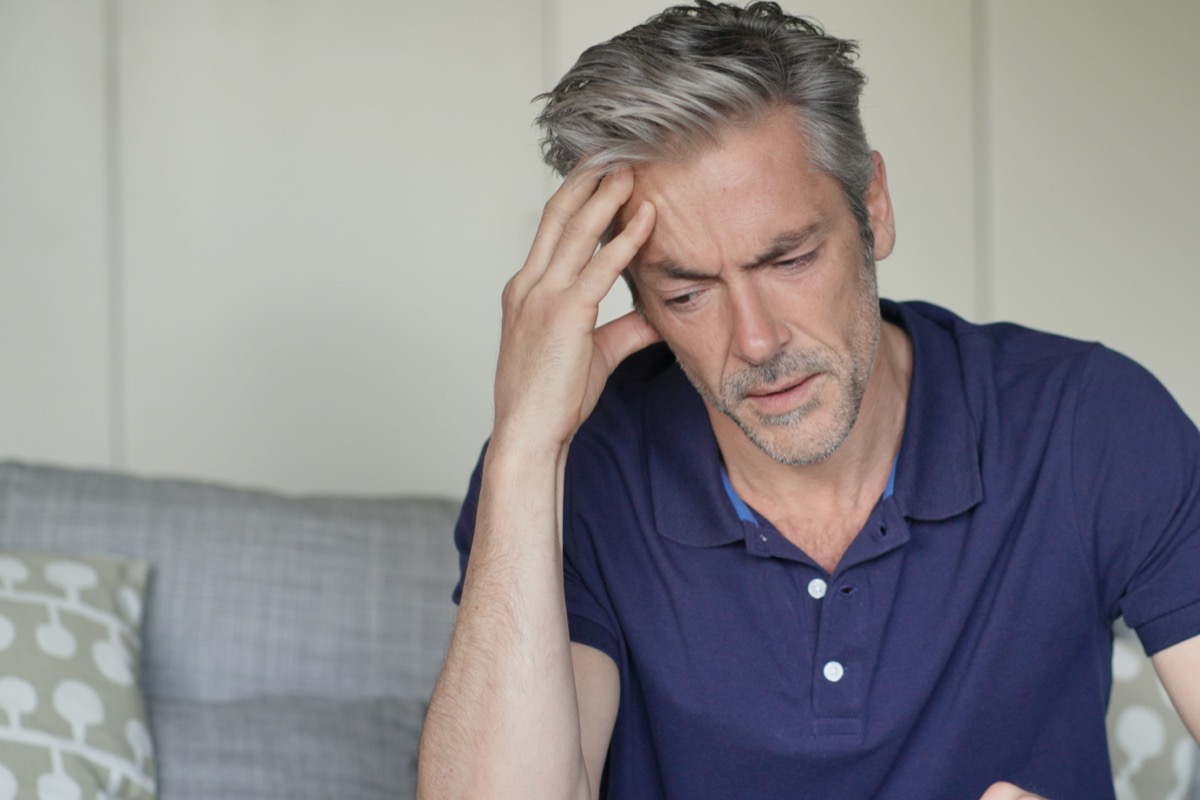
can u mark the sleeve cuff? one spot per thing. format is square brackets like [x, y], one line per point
[1170, 629]
[584, 631]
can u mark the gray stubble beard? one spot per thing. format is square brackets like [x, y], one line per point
[789, 363]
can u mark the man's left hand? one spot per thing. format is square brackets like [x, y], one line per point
[1006, 791]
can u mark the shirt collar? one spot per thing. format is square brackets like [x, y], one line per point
[937, 473]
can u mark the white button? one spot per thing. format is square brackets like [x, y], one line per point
[817, 588]
[833, 672]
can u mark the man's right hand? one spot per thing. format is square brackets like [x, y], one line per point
[518, 711]
[553, 360]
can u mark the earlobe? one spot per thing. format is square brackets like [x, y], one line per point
[879, 207]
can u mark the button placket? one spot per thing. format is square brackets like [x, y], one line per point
[840, 682]
[851, 618]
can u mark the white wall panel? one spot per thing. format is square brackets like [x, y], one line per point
[319, 203]
[1096, 117]
[54, 326]
[322, 203]
[918, 112]
[917, 109]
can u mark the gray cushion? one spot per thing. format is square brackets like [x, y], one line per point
[255, 593]
[290, 748]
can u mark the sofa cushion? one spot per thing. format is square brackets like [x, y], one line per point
[290, 748]
[72, 718]
[257, 593]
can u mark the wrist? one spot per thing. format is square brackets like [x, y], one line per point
[519, 447]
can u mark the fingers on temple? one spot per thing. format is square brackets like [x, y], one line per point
[563, 205]
[581, 234]
[573, 222]
[610, 260]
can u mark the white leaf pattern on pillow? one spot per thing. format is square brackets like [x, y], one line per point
[72, 719]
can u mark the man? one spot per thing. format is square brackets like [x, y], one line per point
[809, 545]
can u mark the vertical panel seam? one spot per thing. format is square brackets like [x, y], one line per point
[981, 112]
[113, 222]
[549, 40]
[551, 48]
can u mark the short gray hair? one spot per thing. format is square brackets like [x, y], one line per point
[671, 86]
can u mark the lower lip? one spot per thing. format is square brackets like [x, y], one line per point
[782, 402]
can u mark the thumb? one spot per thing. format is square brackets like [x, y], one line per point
[623, 337]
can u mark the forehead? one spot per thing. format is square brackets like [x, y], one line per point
[727, 202]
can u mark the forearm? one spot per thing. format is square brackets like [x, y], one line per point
[1179, 670]
[503, 721]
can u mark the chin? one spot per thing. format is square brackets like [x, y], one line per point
[795, 449]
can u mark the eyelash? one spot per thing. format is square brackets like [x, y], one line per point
[679, 301]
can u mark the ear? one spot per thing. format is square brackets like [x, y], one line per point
[879, 209]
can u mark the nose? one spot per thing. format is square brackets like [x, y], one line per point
[758, 333]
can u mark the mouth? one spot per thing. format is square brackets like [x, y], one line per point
[773, 402]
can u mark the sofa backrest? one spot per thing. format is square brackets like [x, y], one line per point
[255, 593]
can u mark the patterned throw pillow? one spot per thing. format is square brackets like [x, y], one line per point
[1154, 757]
[72, 719]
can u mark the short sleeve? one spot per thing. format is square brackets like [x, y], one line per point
[589, 615]
[464, 529]
[1136, 476]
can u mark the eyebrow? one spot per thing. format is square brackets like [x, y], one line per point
[780, 246]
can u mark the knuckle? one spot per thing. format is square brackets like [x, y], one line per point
[553, 211]
[572, 228]
[511, 293]
[583, 227]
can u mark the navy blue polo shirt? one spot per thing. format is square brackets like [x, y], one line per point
[1044, 487]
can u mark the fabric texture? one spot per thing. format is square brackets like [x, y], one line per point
[74, 722]
[1043, 488]
[255, 592]
[282, 634]
[289, 748]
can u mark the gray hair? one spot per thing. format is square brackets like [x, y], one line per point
[673, 85]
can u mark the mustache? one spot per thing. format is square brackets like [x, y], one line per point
[783, 365]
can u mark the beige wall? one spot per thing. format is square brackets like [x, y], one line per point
[263, 241]
[1094, 123]
[55, 352]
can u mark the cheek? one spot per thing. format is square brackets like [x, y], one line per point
[698, 340]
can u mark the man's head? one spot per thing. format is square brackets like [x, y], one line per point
[742, 129]
[675, 84]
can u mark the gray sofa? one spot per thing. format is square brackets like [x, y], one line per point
[289, 645]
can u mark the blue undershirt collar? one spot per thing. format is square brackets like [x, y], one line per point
[746, 515]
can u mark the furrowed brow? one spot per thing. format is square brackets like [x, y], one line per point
[780, 246]
[665, 268]
[785, 243]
